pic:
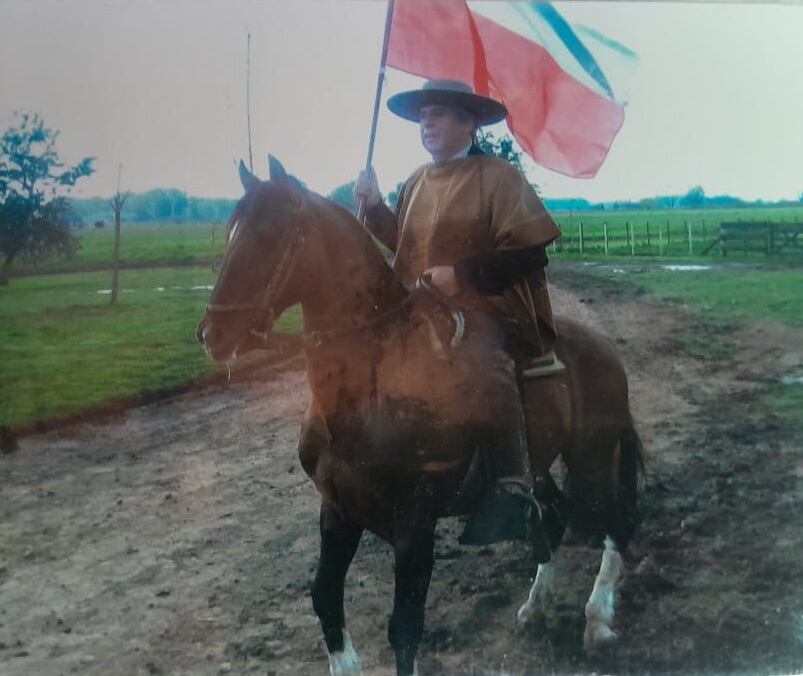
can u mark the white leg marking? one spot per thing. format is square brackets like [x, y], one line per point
[345, 663]
[600, 606]
[540, 593]
[415, 668]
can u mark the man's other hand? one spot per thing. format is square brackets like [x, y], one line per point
[366, 188]
[442, 277]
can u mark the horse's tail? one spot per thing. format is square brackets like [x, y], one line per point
[605, 501]
[631, 463]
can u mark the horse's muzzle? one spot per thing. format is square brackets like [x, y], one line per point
[214, 340]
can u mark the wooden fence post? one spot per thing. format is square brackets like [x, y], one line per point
[605, 235]
[648, 233]
[688, 230]
[668, 237]
[582, 242]
[660, 240]
[631, 227]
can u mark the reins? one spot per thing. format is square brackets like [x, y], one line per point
[277, 282]
[424, 283]
[315, 339]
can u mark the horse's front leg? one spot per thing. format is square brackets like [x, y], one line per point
[548, 533]
[414, 539]
[339, 540]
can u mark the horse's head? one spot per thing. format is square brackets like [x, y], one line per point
[257, 280]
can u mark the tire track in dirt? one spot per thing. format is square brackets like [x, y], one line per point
[182, 537]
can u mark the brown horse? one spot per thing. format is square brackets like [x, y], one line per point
[400, 405]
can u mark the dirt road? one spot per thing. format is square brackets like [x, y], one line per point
[181, 538]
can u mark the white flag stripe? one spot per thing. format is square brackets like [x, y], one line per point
[618, 64]
[523, 20]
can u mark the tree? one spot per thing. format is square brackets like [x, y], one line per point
[344, 196]
[393, 196]
[117, 202]
[35, 216]
[504, 147]
[694, 198]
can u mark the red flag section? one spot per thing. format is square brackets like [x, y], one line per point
[562, 123]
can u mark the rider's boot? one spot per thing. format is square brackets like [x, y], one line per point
[537, 359]
[505, 512]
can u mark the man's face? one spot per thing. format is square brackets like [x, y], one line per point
[444, 131]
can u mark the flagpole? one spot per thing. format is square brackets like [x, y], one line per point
[248, 100]
[380, 79]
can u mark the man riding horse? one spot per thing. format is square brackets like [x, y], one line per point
[471, 227]
[398, 413]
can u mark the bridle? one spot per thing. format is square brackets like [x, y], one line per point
[277, 284]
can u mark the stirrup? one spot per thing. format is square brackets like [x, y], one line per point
[546, 365]
[501, 515]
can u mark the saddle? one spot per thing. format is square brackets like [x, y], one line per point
[532, 359]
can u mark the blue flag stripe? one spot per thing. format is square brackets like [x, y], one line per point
[577, 49]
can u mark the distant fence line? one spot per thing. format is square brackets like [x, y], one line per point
[673, 236]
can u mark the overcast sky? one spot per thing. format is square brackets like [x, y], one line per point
[717, 99]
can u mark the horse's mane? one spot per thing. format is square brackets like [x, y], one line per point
[350, 224]
[345, 221]
[344, 235]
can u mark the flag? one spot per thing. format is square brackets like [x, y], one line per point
[563, 86]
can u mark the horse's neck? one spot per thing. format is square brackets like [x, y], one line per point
[353, 283]
[351, 289]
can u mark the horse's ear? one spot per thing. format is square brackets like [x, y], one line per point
[276, 171]
[280, 177]
[246, 177]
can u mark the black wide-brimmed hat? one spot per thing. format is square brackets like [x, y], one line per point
[446, 93]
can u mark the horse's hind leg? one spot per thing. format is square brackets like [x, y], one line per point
[622, 520]
[600, 607]
[339, 540]
[414, 541]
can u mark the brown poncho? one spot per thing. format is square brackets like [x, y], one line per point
[463, 208]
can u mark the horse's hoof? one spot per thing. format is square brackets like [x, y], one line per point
[598, 635]
[343, 667]
[345, 662]
[526, 615]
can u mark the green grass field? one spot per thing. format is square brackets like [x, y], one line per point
[721, 292]
[181, 244]
[143, 244]
[64, 348]
[717, 297]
